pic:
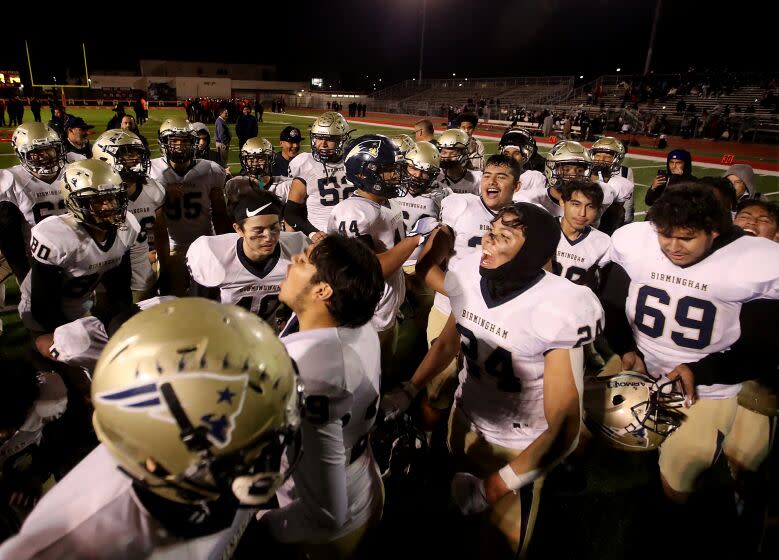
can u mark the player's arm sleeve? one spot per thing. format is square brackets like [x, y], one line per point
[117, 286]
[752, 356]
[295, 213]
[301, 519]
[613, 293]
[46, 286]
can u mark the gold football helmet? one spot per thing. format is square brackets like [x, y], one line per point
[329, 126]
[123, 151]
[94, 193]
[456, 140]
[403, 142]
[565, 161]
[631, 410]
[39, 148]
[195, 399]
[423, 162]
[257, 157]
[183, 148]
[607, 154]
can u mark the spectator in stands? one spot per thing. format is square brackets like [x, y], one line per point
[77, 139]
[547, 126]
[246, 126]
[222, 134]
[468, 123]
[289, 140]
[128, 123]
[424, 132]
[678, 168]
[742, 177]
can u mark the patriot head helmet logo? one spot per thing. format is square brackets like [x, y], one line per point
[216, 412]
[368, 146]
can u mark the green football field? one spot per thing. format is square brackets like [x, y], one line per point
[603, 511]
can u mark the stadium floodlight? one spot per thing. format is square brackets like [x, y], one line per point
[618, 69]
[581, 77]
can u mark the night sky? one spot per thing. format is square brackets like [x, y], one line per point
[346, 41]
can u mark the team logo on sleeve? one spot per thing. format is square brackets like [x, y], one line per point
[215, 410]
[368, 146]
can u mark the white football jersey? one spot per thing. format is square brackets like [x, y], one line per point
[70, 157]
[470, 183]
[532, 181]
[80, 342]
[324, 190]
[149, 198]
[219, 262]
[577, 260]
[501, 387]
[36, 199]
[188, 200]
[476, 154]
[94, 513]
[679, 315]
[280, 187]
[383, 223]
[63, 242]
[340, 369]
[470, 219]
[623, 192]
[415, 207]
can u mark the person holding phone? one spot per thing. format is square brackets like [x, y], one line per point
[678, 168]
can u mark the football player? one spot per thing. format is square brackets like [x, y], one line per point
[567, 160]
[607, 154]
[194, 403]
[422, 200]
[373, 165]
[246, 267]
[517, 407]
[335, 494]
[759, 218]
[453, 145]
[467, 217]
[468, 123]
[29, 191]
[74, 252]
[673, 296]
[582, 250]
[319, 178]
[203, 149]
[125, 152]
[519, 144]
[194, 200]
[403, 143]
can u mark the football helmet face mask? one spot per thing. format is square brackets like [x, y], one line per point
[195, 400]
[521, 139]
[565, 161]
[453, 147]
[39, 149]
[631, 410]
[94, 193]
[374, 164]
[178, 140]
[203, 140]
[423, 163]
[257, 157]
[403, 143]
[123, 151]
[329, 128]
[607, 154]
